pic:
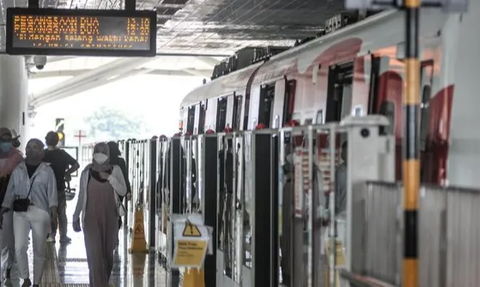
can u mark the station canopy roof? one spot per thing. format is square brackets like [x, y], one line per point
[202, 31]
[216, 27]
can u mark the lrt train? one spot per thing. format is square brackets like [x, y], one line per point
[356, 67]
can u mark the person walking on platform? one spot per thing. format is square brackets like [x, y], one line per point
[101, 186]
[341, 183]
[10, 157]
[32, 195]
[63, 166]
[115, 159]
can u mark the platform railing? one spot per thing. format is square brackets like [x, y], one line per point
[377, 231]
[449, 235]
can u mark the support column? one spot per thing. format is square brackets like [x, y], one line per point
[14, 95]
[411, 146]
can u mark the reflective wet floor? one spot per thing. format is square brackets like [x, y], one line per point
[66, 265]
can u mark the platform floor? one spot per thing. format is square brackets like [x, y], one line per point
[66, 265]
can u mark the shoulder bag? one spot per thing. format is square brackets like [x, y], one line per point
[22, 204]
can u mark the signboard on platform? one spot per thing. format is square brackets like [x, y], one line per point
[81, 32]
[191, 244]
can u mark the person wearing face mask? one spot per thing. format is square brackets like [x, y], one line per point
[32, 195]
[9, 159]
[101, 186]
[63, 166]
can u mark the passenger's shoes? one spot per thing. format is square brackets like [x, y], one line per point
[51, 239]
[27, 283]
[65, 239]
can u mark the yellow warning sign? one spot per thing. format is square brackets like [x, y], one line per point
[139, 230]
[138, 242]
[190, 252]
[191, 230]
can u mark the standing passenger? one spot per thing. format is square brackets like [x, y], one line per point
[341, 183]
[9, 159]
[32, 194]
[101, 185]
[63, 166]
[115, 159]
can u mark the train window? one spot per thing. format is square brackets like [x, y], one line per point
[289, 102]
[339, 98]
[237, 111]
[221, 114]
[387, 108]
[267, 95]
[191, 119]
[201, 119]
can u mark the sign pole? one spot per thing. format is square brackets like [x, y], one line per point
[80, 135]
[411, 152]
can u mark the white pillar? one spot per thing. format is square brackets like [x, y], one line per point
[14, 95]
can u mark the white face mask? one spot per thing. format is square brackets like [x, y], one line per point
[100, 158]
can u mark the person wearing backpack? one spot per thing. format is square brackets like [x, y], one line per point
[63, 166]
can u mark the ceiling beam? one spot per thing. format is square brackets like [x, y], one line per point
[164, 72]
[95, 83]
[108, 70]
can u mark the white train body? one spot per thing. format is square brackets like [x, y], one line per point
[360, 70]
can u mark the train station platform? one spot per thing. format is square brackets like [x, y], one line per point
[66, 264]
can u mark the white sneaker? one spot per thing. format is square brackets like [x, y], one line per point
[51, 238]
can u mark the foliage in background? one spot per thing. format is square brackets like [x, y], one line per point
[113, 124]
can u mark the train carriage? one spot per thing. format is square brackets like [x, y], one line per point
[357, 70]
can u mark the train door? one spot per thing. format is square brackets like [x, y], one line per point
[251, 108]
[278, 103]
[190, 119]
[428, 160]
[339, 97]
[202, 111]
[265, 109]
[289, 101]
[237, 111]
[221, 114]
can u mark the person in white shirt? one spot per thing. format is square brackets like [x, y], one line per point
[32, 195]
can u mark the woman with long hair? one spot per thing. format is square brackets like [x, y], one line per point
[101, 186]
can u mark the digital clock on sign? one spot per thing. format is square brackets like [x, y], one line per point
[81, 32]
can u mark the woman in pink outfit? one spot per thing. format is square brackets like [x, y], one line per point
[10, 157]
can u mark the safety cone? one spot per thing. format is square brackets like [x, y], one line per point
[194, 277]
[139, 245]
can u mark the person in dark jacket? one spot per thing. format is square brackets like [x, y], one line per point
[116, 159]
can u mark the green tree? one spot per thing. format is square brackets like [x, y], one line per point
[112, 124]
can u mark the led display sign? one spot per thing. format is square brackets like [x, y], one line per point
[117, 33]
